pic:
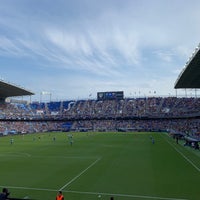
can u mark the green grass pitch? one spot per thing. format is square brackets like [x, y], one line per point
[126, 166]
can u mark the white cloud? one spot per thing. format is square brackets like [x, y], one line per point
[100, 45]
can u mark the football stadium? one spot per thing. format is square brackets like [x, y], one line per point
[111, 147]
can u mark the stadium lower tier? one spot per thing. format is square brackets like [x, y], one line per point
[189, 127]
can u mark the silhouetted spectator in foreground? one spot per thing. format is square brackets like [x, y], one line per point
[4, 194]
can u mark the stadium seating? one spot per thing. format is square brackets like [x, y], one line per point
[149, 114]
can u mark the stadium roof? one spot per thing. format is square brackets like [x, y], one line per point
[190, 75]
[10, 90]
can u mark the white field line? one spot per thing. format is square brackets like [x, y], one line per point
[186, 158]
[126, 195]
[29, 188]
[14, 154]
[97, 193]
[67, 157]
[79, 174]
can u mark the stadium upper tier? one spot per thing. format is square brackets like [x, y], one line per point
[153, 107]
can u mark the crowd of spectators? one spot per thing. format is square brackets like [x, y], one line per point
[23, 127]
[128, 107]
[186, 126]
[150, 114]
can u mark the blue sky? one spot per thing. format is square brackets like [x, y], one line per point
[76, 48]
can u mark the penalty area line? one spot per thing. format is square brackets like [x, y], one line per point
[76, 177]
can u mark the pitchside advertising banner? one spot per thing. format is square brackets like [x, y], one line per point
[110, 95]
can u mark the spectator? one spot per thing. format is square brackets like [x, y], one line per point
[4, 194]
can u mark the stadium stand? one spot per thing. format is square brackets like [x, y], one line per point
[141, 114]
[189, 77]
[177, 116]
[10, 90]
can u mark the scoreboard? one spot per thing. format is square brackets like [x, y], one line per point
[119, 95]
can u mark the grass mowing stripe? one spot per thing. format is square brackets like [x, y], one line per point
[80, 174]
[186, 158]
